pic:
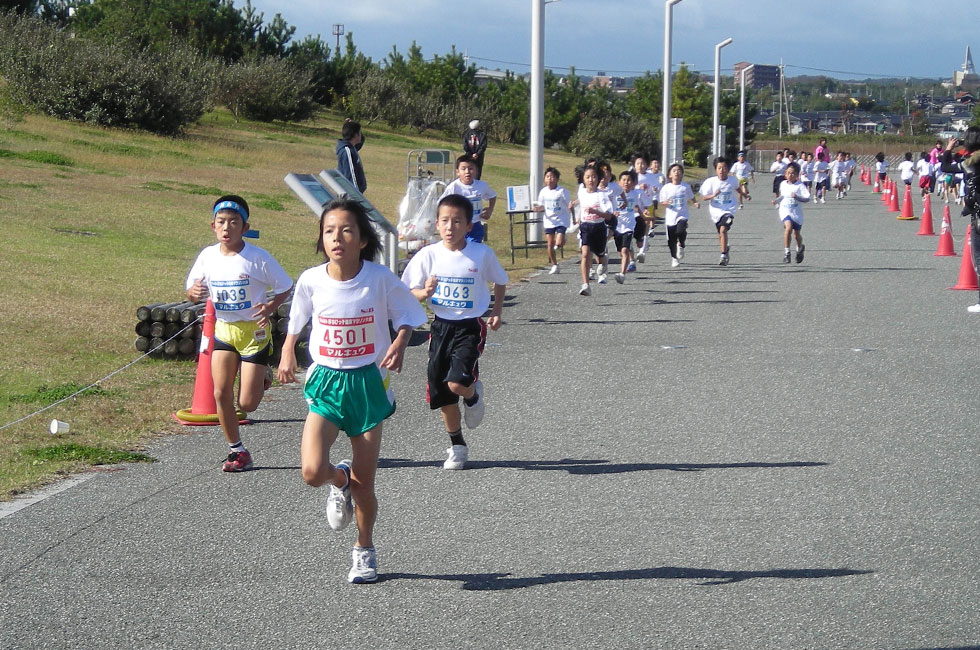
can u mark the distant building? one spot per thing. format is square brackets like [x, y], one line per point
[758, 76]
[966, 77]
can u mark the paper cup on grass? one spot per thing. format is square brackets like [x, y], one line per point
[57, 426]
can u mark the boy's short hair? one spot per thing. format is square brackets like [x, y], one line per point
[464, 159]
[639, 154]
[629, 173]
[457, 201]
[908, 155]
[720, 159]
[350, 129]
[794, 167]
[552, 170]
[233, 203]
[675, 165]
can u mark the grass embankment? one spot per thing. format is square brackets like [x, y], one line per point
[97, 222]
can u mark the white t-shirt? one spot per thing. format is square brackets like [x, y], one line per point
[881, 167]
[819, 171]
[742, 170]
[778, 167]
[555, 203]
[789, 199]
[237, 283]
[653, 183]
[464, 276]
[839, 170]
[598, 199]
[477, 193]
[806, 169]
[675, 199]
[626, 213]
[923, 167]
[907, 169]
[613, 190]
[350, 318]
[726, 202]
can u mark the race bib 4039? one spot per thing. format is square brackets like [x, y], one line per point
[230, 295]
[454, 293]
[346, 338]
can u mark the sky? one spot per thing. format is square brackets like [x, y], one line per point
[845, 39]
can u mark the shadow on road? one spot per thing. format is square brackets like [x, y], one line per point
[707, 577]
[574, 466]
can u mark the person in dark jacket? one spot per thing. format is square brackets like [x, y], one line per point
[475, 145]
[967, 162]
[348, 160]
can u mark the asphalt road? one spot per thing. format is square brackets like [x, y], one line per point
[757, 456]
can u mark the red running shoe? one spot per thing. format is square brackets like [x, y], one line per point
[238, 461]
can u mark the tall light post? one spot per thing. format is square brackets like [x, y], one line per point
[535, 232]
[665, 124]
[716, 140]
[741, 127]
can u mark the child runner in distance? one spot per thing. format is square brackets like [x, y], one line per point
[452, 276]
[476, 192]
[821, 178]
[649, 181]
[596, 210]
[777, 168]
[906, 169]
[791, 194]
[881, 168]
[743, 171]
[720, 191]
[806, 169]
[838, 175]
[675, 197]
[924, 169]
[553, 201]
[629, 209]
[235, 275]
[350, 300]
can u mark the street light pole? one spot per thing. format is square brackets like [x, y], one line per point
[716, 145]
[536, 232]
[665, 123]
[741, 128]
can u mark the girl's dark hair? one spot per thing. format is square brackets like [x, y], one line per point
[373, 247]
[350, 129]
[675, 165]
[552, 170]
[580, 174]
[880, 156]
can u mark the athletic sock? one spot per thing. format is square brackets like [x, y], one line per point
[237, 447]
[456, 437]
[787, 250]
[470, 401]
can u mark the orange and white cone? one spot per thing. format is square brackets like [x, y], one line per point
[968, 275]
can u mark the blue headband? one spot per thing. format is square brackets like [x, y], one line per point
[231, 205]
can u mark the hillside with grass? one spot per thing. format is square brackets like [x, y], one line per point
[99, 221]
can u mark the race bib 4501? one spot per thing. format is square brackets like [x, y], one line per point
[347, 338]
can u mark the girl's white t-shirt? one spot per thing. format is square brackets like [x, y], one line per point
[350, 318]
[789, 199]
[237, 283]
[555, 203]
[598, 199]
[675, 199]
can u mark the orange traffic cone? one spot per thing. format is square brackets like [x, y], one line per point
[907, 214]
[926, 227]
[968, 275]
[867, 175]
[945, 248]
[203, 410]
[893, 198]
[886, 188]
[877, 186]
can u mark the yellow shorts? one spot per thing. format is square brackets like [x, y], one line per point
[244, 337]
[743, 181]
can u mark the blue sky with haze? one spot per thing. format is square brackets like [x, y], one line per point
[835, 37]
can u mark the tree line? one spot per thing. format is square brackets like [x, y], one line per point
[160, 64]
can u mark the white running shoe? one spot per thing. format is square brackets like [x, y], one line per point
[586, 290]
[592, 273]
[473, 415]
[364, 566]
[554, 269]
[680, 252]
[458, 455]
[340, 508]
[603, 269]
[641, 258]
[602, 278]
[974, 309]
[620, 278]
[674, 262]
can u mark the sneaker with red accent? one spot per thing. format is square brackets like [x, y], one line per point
[238, 461]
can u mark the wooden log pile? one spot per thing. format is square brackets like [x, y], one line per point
[173, 331]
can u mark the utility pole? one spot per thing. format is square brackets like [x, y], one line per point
[338, 31]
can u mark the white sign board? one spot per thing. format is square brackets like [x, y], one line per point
[519, 198]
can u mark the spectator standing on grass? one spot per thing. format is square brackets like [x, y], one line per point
[348, 159]
[475, 146]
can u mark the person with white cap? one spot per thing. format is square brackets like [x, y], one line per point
[475, 145]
